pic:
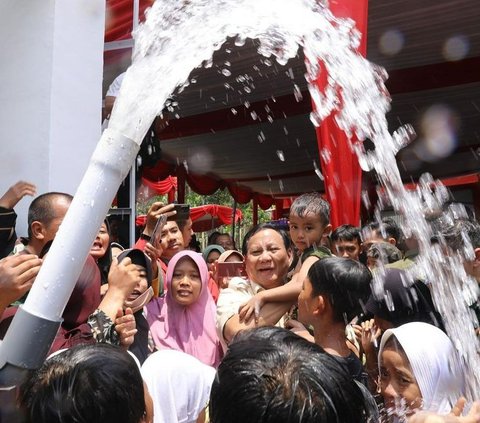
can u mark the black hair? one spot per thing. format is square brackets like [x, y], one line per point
[346, 233]
[345, 282]
[139, 258]
[311, 203]
[261, 227]
[271, 375]
[457, 233]
[86, 383]
[212, 238]
[41, 208]
[403, 300]
[388, 228]
[385, 252]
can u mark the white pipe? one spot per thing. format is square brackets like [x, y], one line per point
[54, 284]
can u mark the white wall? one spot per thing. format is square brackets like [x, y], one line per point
[51, 66]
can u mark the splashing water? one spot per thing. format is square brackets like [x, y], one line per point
[179, 36]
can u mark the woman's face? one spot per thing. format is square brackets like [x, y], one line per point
[398, 385]
[212, 258]
[142, 284]
[186, 282]
[100, 245]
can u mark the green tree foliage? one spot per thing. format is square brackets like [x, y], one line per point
[221, 197]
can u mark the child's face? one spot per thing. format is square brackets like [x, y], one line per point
[307, 230]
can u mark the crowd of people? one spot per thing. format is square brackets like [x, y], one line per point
[289, 328]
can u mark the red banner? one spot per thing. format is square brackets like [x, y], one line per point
[342, 173]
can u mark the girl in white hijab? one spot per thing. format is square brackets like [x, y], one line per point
[419, 370]
[179, 385]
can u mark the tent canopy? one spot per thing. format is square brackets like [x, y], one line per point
[206, 217]
[261, 144]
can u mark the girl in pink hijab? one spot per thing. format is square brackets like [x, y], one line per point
[184, 319]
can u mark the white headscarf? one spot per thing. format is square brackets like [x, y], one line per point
[434, 363]
[179, 385]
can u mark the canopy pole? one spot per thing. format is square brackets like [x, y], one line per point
[181, 184]
[234, 213]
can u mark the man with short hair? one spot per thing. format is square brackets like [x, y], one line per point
[267, 259]
[346, 242]
[45, 214]
[388, 231]
[225, 240]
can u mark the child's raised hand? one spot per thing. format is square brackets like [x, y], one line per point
[370, 335]
[251, 308]
[126, 327]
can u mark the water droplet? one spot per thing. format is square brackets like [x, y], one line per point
[254, 115]
[456, 48]
[280, 155]
[391, 42]
[247, 89]
[240, 41]
[234, 111]
[326, 155]
[270, 119]
[317, 171]
[227, 63]
[261, 137]
[247, 104]
[226, 72]
[208, 63]
[297, 93]
[280, 185]
[285, 130]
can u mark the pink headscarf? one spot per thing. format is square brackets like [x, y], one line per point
[190, 329]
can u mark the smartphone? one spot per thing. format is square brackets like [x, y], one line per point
[230, 269]
[183, 212]
[158, 228]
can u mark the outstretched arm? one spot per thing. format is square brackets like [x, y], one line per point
[269, 315]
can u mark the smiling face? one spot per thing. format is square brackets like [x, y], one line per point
[186, 282]
[100, 244]
[307, 230]
[267, 260]
[171, 240]
[398, 385]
